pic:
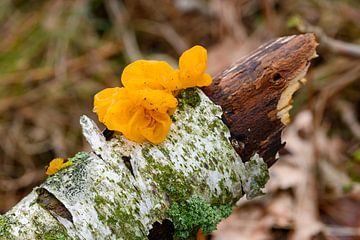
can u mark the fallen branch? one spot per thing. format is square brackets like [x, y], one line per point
[124, 190]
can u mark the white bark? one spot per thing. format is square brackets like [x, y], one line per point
[106, 200]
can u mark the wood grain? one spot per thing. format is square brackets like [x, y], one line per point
[249, 92]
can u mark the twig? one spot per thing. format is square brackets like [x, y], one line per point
[348, 116]
[118, 15]
[166, 31]
[226, 12]
[37, 74]
[341, 231]
[332, 44]
[330, 90]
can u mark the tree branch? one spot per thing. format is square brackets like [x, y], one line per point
[124, 190]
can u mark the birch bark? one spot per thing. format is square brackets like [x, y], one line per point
[120, 189]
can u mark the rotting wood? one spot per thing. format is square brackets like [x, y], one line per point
[250, 90]
[101, 197]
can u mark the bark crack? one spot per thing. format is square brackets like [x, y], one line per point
[48, 201]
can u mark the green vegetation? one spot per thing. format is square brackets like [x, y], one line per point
[54, 234]
[189, 97]
[174, 183]
[353, 166]
[256, 176]
[4, 227]
[79, 156]
[121, 222]
[190, 215]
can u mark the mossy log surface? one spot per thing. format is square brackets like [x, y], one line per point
[124, 190]
[121, 189]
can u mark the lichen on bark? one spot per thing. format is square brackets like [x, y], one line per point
[255, 178]
[122, 188]
[4, 227]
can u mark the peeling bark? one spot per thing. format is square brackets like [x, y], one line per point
[124, 190]
[256, 93]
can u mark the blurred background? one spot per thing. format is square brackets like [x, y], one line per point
[55, 55]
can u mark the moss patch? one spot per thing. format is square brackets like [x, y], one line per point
[4, 227]
[80, 156]
[256, 176]
[189, 97]
[188, 216]
[121, 222]
[174, 183]
[49, 232]
[54, 235]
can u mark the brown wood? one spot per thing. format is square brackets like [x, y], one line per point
[249, 92]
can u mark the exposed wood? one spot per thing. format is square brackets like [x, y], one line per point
[250, 90]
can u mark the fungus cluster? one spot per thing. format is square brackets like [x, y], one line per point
[141, 109]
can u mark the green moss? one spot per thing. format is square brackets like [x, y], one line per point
[99, 200]
[120, 221]
[165, 151]
[4, 227]
[80, 156]
[49, 232]
[77, 173]
[188, 216]
[189, 97]
[174, 183]
[123, 223]
[146, 154]
[256, 176]
[54, 234]
[173, 119]
[188, 129]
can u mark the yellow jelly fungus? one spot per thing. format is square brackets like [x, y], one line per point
[192, 66]
[141, 109]
[139, 114]
[150, 74]
[103, 100]
[56, 165]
